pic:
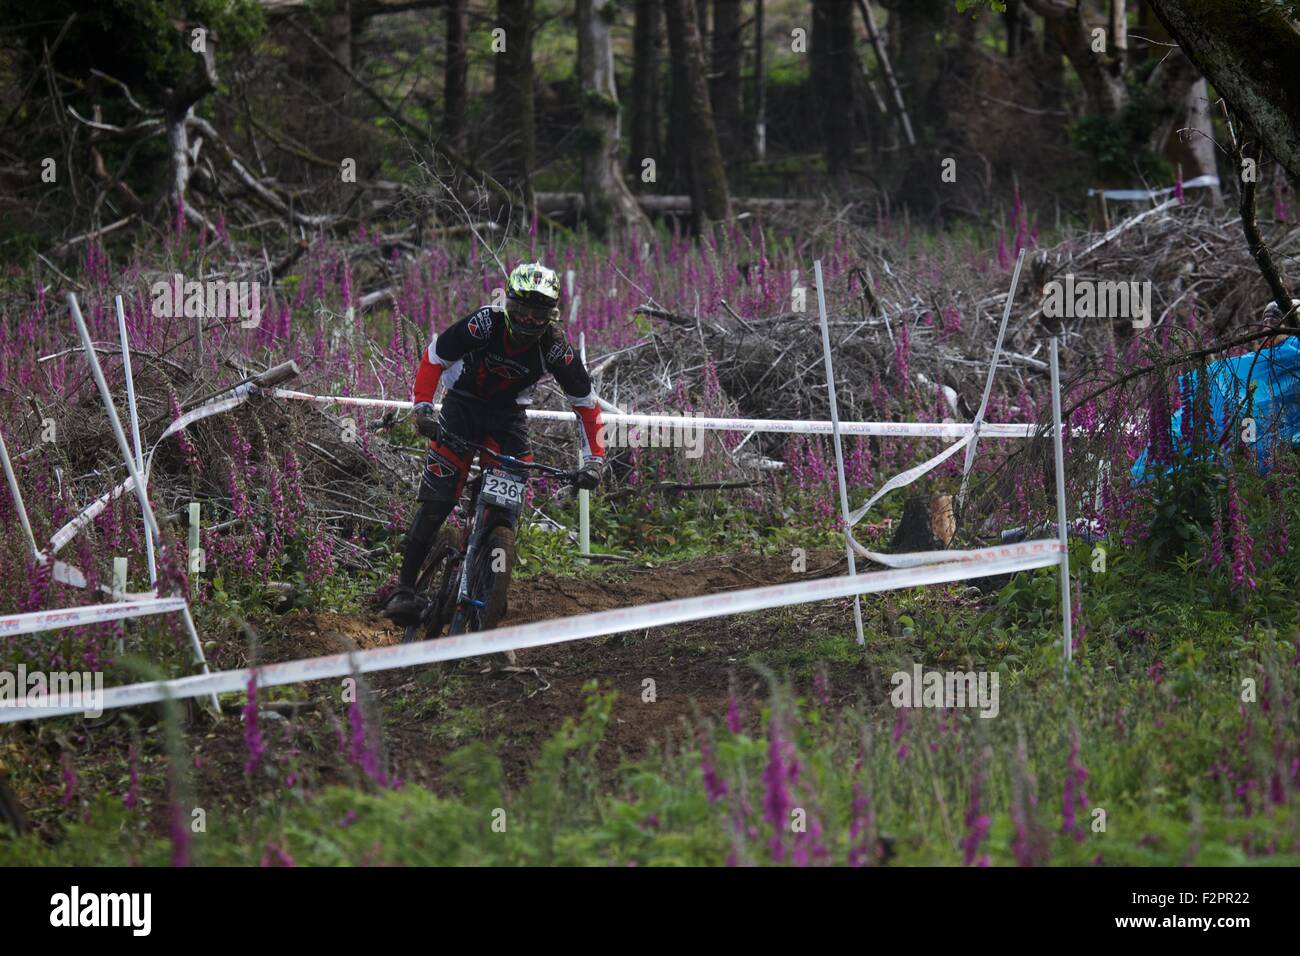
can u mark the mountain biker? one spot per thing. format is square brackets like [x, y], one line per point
[491, 361]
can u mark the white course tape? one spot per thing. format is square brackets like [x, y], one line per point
[781, 425]
[909, 476]
[96, 508]
[33, 621]
[1004, 559]
[1135, 195]
[923, 558]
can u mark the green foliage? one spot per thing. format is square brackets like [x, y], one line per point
[1119, 145]
[997, 6]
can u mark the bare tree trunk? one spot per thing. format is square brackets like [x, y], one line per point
[1249, 51]
[610, 208]
[177, 102]
[709, 196]
[645, 87]
[1015, 28]
[1181, 98]
[725, 84]
[513, 97]
[679, 125]
[832, 66]
[1196, 152]
[760, 86]
[453, 121]
[1119, 27]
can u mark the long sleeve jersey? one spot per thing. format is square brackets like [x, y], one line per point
[482, 364]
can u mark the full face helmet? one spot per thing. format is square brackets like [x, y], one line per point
[532, 301]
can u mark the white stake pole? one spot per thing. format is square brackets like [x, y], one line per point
[839, 451]
[1061, 531]
[137, 479]
[14, 490]
[119, 585]
[584, 496]
[988, 381]
[135, 431]
[193, 540]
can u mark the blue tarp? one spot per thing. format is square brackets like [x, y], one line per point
[1274, 390]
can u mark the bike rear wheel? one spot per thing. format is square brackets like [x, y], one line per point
[436, 584]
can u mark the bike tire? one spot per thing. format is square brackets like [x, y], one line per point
[435, 583]
[485, 581]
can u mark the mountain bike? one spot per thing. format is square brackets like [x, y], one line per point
[466, 577]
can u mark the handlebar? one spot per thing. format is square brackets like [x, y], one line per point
[568, 476]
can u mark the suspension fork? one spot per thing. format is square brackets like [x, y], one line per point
[482, 513]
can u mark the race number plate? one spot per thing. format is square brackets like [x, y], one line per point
[500, 489]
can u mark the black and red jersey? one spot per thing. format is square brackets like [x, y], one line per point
[483, 364]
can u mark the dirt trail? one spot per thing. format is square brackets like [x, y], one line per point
[428, 712]
[693, 666]
[546, 596]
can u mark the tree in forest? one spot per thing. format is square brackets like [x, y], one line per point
[724, 84]
[645, 85]
[454, 75]
[710, 201]
[610, 208]
[760, 86]
[919, 29]
[513, 132]
[833, 68]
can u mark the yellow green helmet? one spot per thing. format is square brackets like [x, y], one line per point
[532, 300]
[535, 284]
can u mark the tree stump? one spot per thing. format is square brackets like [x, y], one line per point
[928, 524]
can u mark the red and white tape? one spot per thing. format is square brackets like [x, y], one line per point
[1005, 559]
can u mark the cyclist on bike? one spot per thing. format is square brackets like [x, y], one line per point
[491, 362]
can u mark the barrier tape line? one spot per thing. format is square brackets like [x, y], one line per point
[1004, 559]
[778, 425]
[32, 621]
[93, 510]
[917, 558]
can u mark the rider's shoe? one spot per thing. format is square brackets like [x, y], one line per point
[403, 608]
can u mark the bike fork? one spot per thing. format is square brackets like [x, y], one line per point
[464, 600]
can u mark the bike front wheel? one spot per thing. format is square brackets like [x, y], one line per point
[489, 582]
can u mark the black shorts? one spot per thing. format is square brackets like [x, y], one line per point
[447, 463]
